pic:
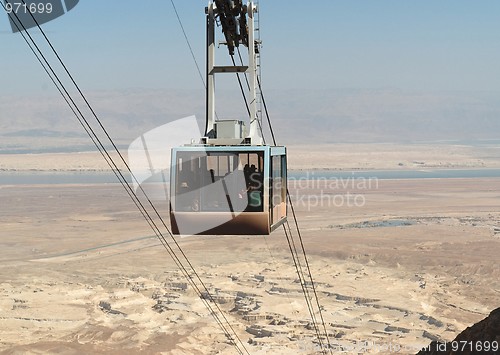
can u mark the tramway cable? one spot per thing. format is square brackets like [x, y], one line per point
[300, 276]
[289, 235]
[293, 213]
[292, 250]
[244, 96]
[241, 88]
[87, 127]
[189, 44]
[309, 272]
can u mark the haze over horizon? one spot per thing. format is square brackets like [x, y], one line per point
[321, 116]
[347, 72]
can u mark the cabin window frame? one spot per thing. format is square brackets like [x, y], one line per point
[190, 180]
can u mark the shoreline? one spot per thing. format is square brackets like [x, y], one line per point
[332, 157]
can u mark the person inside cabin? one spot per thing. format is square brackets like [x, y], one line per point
[254, 189]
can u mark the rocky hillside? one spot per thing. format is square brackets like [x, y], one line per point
[481, 338]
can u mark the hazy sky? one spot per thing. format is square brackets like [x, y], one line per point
[411, 45]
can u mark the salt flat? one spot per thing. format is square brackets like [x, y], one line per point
[300, 157]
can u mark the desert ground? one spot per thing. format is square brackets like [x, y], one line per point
[396, 264]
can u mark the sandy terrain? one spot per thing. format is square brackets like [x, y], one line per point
[416, 261]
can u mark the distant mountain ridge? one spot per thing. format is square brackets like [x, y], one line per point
[320, 116]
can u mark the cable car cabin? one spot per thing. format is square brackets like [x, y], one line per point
[230, 183]
[228, 189]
